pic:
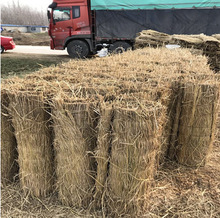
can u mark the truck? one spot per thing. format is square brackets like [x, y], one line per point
[84, 27]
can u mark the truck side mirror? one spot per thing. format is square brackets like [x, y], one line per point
[48, 15]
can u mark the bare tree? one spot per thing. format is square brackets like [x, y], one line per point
[14, 13]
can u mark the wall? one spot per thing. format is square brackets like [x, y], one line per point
[21, 29]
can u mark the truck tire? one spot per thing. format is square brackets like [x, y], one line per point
[2, 49]
[78, 49]
[119, 47]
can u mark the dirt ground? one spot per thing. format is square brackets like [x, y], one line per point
[28, 38]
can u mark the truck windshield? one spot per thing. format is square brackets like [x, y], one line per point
[61, 14]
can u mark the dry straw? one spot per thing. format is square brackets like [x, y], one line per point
[74, 124]
[194, 123]
[129, 132]
[9, 168]
[31, 123]
[208, 45]
[133, 153]
[102, 154]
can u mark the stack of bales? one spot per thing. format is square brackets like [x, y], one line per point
[208, 45]
[94, 130]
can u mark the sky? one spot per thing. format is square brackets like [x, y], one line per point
[37, 4]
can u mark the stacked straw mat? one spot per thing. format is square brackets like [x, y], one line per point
[31, 123]
[9, 167]
[74, 124]
[194, 124]
[207, 45]
[104, 140]
[127, 148]
[135, 145]
[97, 124]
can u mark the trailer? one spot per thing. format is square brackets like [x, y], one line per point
[86, 26]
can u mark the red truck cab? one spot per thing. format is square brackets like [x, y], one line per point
[70, 27]
[73, 26]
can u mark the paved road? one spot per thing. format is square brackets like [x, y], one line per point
[28, 49]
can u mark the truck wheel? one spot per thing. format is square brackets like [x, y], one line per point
[78, 49]
[119, 47]
[2, 49]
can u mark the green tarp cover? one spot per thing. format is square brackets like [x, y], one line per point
[151, 4]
